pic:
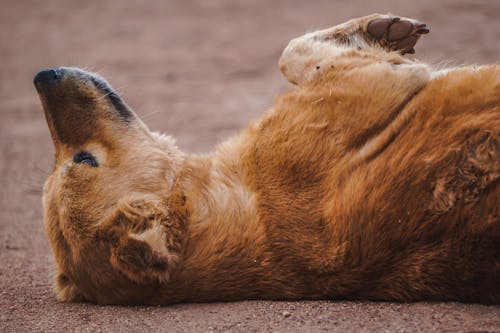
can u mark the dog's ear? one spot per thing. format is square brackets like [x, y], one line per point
[146, 241]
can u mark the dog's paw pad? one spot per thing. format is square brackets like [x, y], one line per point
[399, 30]
[407, 43]
[396, 33]
[378, 27]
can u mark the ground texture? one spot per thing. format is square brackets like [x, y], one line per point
[198, 70]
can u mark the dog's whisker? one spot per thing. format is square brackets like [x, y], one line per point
[98, 70]
[118, 89]
[103, 96]
[147, 115]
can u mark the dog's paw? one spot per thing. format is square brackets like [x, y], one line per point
[396, 33]
[145, 244]
[140, 262]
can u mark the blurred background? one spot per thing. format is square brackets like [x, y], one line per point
[198, 70]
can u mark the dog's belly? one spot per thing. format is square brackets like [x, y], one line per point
[417, 220]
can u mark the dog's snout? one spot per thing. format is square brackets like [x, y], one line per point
[77, 103]
[48, 76]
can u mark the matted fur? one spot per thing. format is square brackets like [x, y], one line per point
[374, 178]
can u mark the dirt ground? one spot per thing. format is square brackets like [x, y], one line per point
[198, 70]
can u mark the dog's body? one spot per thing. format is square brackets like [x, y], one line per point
[376, 178]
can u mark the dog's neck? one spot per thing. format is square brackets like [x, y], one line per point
[223, 230]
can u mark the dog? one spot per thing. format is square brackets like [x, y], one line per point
[376, 177]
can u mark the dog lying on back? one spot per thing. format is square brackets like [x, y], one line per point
[375, 178]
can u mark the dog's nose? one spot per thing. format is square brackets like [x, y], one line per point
[48, 76]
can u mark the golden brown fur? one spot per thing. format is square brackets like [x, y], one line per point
[375, 178]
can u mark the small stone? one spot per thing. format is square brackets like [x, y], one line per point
[286, 314]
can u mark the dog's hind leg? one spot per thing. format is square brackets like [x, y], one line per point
[377, 37]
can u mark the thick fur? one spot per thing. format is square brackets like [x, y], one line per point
[375, 178]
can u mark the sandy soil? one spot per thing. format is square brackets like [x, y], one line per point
[198, 70]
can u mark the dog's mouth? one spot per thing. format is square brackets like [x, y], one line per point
[77, 104]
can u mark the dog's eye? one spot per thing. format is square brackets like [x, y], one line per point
[85, 158]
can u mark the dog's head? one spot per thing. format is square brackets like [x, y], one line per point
[106, 202]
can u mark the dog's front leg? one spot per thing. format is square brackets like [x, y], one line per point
[145, 240]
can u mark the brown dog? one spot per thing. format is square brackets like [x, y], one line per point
[375, 178]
